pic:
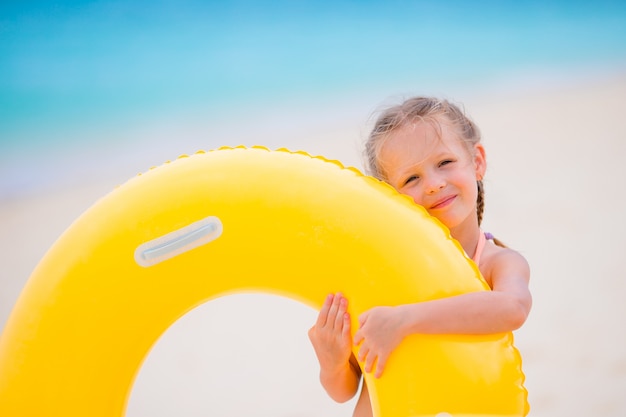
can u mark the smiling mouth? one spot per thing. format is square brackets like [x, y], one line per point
[443, 203]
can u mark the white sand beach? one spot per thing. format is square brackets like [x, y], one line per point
[553, 191]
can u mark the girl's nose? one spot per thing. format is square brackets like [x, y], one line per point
[434, 184]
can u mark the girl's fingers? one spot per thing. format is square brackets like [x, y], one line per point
[380, 366]
[322, 317]
[370, 361]
[335, 310]
[341, 312]
[346, 326]
[332, 312]
[358, 338]
[362, 355]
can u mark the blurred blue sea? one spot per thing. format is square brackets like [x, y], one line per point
[87, 74]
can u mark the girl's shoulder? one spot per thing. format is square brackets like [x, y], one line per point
[499, 262]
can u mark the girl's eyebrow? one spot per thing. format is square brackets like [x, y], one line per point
[442, 154]
[409, 169]
[446, 155]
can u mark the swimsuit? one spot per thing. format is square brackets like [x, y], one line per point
[482, 239]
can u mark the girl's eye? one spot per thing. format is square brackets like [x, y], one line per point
[411, 179]
[445, 162]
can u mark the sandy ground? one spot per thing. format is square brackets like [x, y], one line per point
[553, 192]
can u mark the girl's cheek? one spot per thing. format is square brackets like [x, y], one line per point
[416, 194]
[417, 199]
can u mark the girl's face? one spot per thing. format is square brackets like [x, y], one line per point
[435, 169]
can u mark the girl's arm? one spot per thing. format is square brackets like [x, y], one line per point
[330, 336]
[503, 309]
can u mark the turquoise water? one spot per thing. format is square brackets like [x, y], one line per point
[75, 67]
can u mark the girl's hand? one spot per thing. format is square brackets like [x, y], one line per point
[330, 336]
[381, 329]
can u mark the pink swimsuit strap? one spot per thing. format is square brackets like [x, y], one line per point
[482, 240]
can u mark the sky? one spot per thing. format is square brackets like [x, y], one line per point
[83, 72]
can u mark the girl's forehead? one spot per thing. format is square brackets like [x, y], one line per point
[422, 138]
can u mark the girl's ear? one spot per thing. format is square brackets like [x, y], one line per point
[480, 161]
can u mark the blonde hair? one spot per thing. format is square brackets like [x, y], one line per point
[423, 109]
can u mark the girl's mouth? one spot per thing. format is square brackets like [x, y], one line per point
[444, 202]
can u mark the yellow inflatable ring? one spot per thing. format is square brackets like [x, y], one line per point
[244, 220]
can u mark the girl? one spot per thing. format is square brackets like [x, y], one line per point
[430, 150]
